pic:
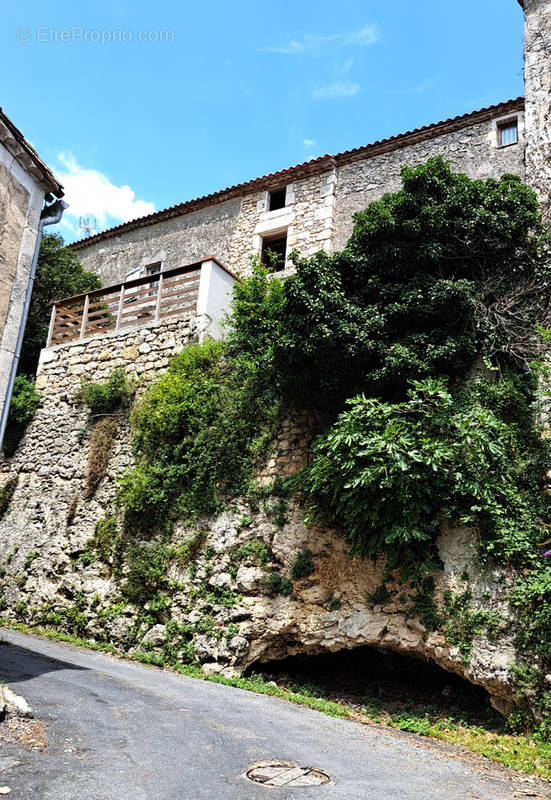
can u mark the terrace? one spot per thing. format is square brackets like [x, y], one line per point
[202, 289]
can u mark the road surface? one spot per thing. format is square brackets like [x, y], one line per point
[117, 730]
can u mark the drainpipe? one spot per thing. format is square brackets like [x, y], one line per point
[50, 215]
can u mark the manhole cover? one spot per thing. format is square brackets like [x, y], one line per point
[282, 773]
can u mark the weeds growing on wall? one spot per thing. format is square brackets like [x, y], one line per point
[99, 452]
[107, 396]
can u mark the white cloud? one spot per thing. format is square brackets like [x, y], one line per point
[425, 86]
[313, 43]
[91, 193]
[346, 67]
[309, 142]
[336, 89]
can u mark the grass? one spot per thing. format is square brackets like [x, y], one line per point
[525, 753]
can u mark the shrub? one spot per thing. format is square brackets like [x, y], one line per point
[198, 433]
[106, 397]
[390, 473]
[147, 567]
[276, 583]
[24, 403]
[303, 565]
[104, 539]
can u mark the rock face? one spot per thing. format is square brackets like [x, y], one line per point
[234, 602]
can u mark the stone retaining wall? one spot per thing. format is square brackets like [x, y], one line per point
[234, 602]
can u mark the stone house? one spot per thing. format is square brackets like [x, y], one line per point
[167, 278]
[26, 184]
[308, 207]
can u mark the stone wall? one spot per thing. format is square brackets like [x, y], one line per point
[226, 605]
[174, 242]
[472, 150]
[537, 80]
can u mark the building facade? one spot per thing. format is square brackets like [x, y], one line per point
[26, 184]
[306, 208]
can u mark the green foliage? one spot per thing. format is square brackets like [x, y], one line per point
[6, 493]
[59, 274]
[417, 290]
[303, 565]
[104, 539]
[276, 583]
[30, 557]
[87, 558]
[107, 396]
[189, 550]
[24, 402]
[389, 473]
[198, 432]
[146, 574]
[253, 552]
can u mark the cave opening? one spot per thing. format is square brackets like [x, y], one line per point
[383, 682]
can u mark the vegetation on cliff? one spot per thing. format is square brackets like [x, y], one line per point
[419, 348]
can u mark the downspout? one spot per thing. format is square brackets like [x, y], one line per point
[50, 215]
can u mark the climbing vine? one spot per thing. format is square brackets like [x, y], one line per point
[420, 349]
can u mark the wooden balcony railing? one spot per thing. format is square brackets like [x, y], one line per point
[136, 302]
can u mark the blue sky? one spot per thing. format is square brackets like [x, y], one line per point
[218, 93]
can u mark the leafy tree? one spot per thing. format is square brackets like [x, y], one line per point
[59, 274]
[433, 275]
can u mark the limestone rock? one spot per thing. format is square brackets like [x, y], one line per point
[154, 636]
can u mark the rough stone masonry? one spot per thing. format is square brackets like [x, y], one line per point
[225, 606]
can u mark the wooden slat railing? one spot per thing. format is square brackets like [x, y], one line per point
[135, 302]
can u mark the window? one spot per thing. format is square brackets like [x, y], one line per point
[273, 251]
[153, 269]
[277, 199]
[507, 132]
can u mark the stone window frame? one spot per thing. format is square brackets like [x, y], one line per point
[270, 236]
[263, 203]
[501, 122]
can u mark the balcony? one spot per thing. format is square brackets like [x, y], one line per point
[202, 289]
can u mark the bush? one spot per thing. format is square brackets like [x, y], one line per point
[391, 473]
[147, 568]
[303, 565]
[433, 274]
[198, 433]
[104, 539]
[106, 397]
[24, 403]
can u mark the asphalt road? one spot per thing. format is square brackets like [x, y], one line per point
[122, 731]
